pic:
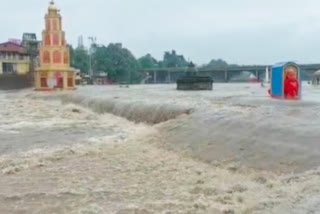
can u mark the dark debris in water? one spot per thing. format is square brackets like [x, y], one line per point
[76, 110]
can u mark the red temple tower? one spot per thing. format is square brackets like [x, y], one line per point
[54, 72]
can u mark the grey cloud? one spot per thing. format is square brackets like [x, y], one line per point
[246, 31]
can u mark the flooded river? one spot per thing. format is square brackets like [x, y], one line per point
[152, 149]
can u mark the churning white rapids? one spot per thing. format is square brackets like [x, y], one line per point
[152, 149]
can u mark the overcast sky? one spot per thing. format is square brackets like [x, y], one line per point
[238, 31]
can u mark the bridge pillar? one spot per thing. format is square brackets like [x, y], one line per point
[226, 75]
[154, 77]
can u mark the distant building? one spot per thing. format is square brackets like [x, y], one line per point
[316, 78]
[78, 77]
[16, 41]
[101, 78]
[29, 38]
[13, 58]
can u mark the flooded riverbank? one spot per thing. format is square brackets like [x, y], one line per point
[235, 122]
[68, 158]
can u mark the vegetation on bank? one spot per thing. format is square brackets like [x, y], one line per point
[122, 66]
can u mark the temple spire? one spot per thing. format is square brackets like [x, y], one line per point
[52, 7]
[54, 71]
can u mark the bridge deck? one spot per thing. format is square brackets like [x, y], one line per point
[169, 75]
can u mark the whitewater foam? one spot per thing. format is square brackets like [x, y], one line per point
[107, 164]
[133, 111]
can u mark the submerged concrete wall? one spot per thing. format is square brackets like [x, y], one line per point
[15, 81]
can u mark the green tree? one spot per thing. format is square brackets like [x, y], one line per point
[217, 64]
[118, 62]
[32, 50]
[173, 60]
[148, 61]
[101, 61]
[79, 59]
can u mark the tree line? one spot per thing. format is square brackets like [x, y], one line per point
[121, 65]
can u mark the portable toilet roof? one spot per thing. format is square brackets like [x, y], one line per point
[283, 64]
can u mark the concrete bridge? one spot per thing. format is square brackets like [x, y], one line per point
[170, 75]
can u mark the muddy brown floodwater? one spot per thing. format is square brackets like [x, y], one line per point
[93, 151]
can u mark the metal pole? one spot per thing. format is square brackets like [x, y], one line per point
[93, 41]
[226, 75]
[90, 67]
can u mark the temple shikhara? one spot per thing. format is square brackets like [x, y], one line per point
[54, 72]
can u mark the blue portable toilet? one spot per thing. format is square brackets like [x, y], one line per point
[278, 78]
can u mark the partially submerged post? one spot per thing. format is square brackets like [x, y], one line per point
[192, 82]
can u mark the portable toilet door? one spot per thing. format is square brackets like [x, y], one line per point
[278, 77]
